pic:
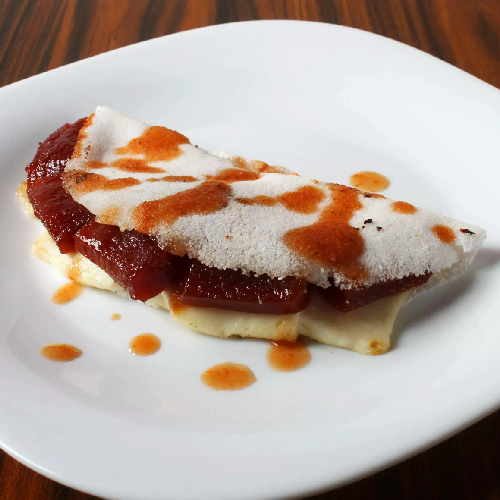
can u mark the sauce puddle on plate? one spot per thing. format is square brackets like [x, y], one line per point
[285, 356]
[144, 344]
[228, 377]
[67, 293]
[60, 352]
[369, 181]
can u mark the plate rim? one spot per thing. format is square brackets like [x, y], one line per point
[466, 421]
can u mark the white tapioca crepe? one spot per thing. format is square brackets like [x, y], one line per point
[230, 213]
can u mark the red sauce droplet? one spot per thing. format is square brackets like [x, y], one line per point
[145, 344]
[208, 197]
[67, 293]
[234, 175]
[75, 270]
[136, 166]
[369, 181]
[60, 352]
[81, 182]
[304, 200]
[116, 317]
[332, 241]
[156, 144]
[444, 233]
[285, 356]
[228, 377]
[401, 207]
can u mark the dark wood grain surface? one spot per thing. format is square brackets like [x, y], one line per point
[39, 35]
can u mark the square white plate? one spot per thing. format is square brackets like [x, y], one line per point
[325, 101]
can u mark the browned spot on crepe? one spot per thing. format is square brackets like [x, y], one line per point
[174, 178]
[304, 200]
[136, 166]
[401, 207]
[234, 175]
[156, 144]
[377, 347]
[332, 241]
[81, 136]
[207, 198]
[82, 182]
[109, 216]
[373, 195]
[444, 233]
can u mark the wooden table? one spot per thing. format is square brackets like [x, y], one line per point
[38, 35]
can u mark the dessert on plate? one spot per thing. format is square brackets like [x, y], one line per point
[230, 246]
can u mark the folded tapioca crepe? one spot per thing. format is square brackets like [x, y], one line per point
[359, 255]
[153, 180]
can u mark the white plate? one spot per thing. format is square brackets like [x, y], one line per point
[326, 101]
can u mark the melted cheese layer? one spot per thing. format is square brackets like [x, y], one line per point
[365, 330]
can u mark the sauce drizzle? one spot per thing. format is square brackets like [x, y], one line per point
[234, 175]
[228, 377]
[67, 293]
[145, 344]
[208, 197]
[332, 241]
[82, 182]
[444, 233]
[369, 181]
[401, 207]
[304, 200]
[136, 166]
[174, 178]
[285, 356]
[60, 352]
[156, 144]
